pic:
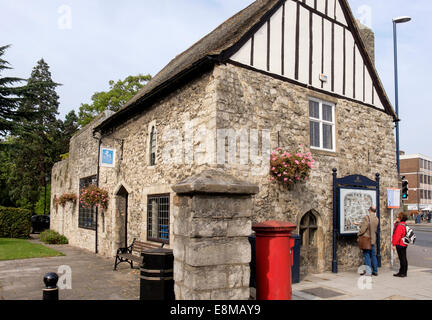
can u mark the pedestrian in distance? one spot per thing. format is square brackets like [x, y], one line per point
[368, 228]
[429, 217]
[398, 244]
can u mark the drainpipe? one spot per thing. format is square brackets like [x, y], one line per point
[98, 136]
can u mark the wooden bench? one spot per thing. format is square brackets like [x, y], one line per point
[127, 254]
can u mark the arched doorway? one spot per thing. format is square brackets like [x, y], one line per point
[312, 249]
[121, 218]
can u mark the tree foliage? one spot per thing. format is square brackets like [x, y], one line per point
[120, 92]
[39, 146]
[10, 98]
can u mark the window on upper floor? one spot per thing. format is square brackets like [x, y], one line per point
[322, 125]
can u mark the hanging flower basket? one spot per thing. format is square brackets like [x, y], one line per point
[94, 196]
[290, 168]
[65, 198]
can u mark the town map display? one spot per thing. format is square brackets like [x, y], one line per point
[354, 205]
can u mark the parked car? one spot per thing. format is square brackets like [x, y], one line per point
[40, 223]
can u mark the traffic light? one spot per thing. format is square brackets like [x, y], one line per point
[404, 188]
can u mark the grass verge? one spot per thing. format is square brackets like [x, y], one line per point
[13, 249]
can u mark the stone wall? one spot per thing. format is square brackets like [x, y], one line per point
[234, 98]
[191, 103]
[365, 144]
[82, 163]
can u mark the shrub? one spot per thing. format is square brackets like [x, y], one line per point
[53, 237]
[290, 168]
[15, 223]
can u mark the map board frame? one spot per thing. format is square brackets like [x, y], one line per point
[352, 182]
[357, 214]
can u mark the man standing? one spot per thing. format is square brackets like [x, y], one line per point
[369, 228]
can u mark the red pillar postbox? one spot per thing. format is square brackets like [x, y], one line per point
[274, 259]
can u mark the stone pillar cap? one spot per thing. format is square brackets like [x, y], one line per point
[274, 226]
[215, 181]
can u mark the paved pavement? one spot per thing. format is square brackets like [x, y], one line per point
[351, 286]
[93, 277]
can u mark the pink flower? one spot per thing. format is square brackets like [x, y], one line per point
[274, 159]
[286, 179]
[288, 155]
[279, 175]
[273, 169]
[297, 162]
[303, 161]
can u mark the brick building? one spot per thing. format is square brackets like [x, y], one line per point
[417, 169]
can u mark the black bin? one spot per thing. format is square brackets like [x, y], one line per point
[295, 269]
[252, 280]
[156, 275]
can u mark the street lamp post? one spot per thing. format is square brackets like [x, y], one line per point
[395, 22]
[46, 181]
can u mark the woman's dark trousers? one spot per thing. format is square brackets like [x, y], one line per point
[402, 254]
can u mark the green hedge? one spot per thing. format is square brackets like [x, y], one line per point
[15, 223]
[53, 237]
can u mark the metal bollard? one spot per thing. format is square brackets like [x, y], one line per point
[51, 291]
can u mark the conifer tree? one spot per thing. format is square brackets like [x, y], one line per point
[10, 98]
[38, 143]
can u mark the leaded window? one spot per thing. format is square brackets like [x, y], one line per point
[158, 218]
[308, 228]
[322, 125]
[87, 216]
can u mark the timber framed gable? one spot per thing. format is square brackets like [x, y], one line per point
[314, 44]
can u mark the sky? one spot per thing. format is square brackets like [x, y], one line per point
[88, 43]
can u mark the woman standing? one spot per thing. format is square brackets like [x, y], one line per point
[398, 245]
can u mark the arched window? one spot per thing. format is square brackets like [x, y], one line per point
[308, 228]
[153, 146]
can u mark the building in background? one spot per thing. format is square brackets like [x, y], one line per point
[417, 169]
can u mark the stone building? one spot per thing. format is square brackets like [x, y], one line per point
[280, 73]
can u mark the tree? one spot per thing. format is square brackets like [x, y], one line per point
[120, 92]
[38, 145]
[10, 98]
[68, 128]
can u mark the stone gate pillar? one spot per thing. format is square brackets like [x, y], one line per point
[212, 222]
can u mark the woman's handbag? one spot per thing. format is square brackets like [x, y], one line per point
[364, 241]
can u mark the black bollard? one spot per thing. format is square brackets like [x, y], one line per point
[51, 291]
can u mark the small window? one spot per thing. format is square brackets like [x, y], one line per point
[158, 218]
[87, 216]
[322, 125]
[153, 146]
[308, 228]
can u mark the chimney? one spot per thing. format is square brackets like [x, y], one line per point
[368, 38]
